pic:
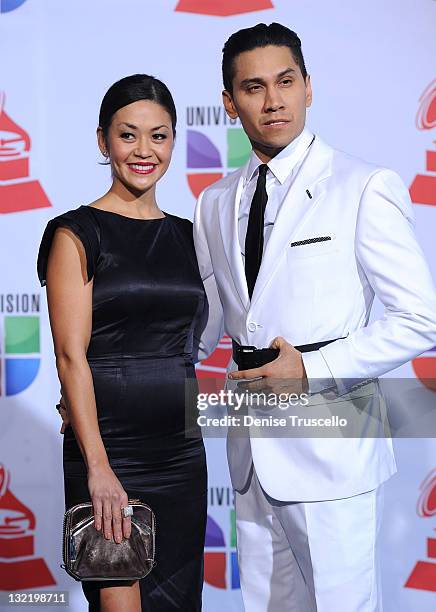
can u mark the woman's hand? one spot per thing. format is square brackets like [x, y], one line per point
[108, 498]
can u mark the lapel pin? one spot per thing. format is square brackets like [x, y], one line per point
[308, 193]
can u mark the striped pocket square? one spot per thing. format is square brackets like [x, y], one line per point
[310, 240]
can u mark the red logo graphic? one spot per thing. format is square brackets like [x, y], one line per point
[17, 191]
[423, 576]
[424, 367]
[423, 188]
[221, 562]
[19, 568]
[222, 8]
[211, 372]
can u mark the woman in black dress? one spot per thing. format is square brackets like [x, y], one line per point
[126, 305]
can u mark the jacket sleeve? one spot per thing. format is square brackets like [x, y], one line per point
[393, 264]
[213, 329]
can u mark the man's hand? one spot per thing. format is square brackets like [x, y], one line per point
[62, 409]
[286, 372]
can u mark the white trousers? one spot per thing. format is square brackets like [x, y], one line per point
[308, 556]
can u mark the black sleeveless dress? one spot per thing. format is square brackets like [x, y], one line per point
[149, 307]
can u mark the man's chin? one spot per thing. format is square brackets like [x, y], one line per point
[274, 146]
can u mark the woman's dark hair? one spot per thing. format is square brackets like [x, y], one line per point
[260, 35]
[132, 89]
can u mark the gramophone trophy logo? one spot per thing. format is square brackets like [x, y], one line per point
[17, 191]
[423, 576]
[222, 8]
[423, 191]
[423, 188]
[19, 567]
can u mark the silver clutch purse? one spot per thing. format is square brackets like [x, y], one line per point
[87, 555]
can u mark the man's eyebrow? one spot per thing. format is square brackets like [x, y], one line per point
[286, 71]
[281, 74]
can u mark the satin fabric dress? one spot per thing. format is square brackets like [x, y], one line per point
[148, 308]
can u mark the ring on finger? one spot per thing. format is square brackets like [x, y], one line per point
[127, 511]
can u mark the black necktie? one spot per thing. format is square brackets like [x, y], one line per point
[254, 237]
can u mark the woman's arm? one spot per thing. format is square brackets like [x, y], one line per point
[69, 297]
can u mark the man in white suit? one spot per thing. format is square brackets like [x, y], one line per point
[292, 249]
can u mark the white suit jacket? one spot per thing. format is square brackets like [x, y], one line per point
[320, 291]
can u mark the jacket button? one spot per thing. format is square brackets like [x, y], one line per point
[252, 326]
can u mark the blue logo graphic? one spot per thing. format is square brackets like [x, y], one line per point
[6, 6]
[19, 359]
[221, 561]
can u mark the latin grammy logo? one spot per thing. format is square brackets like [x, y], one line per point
[19, 567]
[222, 8]
[423, 576]
[17, 191]
[423, 188]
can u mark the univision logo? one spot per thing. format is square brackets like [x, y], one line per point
[6, 6]
[20, 343]
[220, 558]
[210, 161]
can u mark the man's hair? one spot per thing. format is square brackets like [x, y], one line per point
[260, 35]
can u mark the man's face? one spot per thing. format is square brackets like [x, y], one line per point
[270, 97]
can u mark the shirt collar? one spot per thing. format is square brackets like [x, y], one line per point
[282, 164]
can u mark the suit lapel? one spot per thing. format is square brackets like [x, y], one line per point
[294, 210]
[228, 219]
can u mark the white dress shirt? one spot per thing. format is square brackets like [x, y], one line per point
[282, 171]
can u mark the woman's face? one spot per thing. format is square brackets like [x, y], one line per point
[139, 143]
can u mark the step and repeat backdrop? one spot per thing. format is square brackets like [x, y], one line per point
[374, 96]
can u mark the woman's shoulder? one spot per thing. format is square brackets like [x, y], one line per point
[81, 214]
[79, 220]
[186, 224]
[82, 223]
